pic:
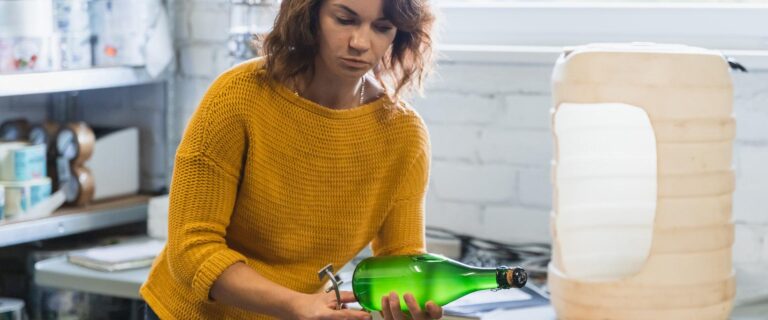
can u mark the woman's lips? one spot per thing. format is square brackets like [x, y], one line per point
[358, 64]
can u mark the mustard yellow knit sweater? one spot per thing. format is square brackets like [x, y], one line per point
[287, 186]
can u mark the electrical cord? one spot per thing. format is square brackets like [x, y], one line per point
[479, 252]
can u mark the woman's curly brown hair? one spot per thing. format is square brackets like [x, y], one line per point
[290, 48]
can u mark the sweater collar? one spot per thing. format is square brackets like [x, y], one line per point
[324, 111]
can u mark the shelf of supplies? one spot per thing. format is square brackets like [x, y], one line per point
[67, 221]
[12, 84]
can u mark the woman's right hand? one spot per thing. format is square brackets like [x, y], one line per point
[322, 306]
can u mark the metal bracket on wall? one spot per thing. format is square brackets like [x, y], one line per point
[63, 107]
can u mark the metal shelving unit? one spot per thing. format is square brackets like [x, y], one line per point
[99, 215]
[73, 80]
[69, 221]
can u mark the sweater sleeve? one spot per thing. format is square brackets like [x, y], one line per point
[202, 195]
[403, 229]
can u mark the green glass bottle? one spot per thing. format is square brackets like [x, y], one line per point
[429, 277]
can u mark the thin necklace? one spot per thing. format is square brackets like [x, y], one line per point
[362, 92]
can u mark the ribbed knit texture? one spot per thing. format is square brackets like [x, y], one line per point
[287, 186]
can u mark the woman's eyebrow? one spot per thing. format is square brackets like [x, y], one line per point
[353, 13]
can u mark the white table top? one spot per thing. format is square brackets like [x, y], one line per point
[59, 273]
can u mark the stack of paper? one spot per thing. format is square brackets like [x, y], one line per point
[478, 304]
[118, 257]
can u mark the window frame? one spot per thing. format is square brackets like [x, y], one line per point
[469, 30]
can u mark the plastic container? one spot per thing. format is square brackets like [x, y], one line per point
[20, 161]
[26, 28]
[20, 196]
[121, 30]
[72, 39]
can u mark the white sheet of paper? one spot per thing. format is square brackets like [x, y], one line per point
[535, 313]
[125, 252]
[489, 296]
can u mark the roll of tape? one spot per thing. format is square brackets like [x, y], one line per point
[80, 187]
[60, 169]
[74, 142]
[14, 130]
[43, 133]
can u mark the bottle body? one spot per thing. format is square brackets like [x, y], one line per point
[428, 277]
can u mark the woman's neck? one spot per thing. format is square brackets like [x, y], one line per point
[331, 91]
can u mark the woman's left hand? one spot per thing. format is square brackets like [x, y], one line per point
[390, 308]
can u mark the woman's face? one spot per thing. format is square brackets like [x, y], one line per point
[353, 35]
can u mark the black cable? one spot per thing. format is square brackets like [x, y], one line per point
[533, 256]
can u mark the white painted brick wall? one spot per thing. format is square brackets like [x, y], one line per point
[209, 21]
[447, 214]
[196, 60]
[492, 146]
[493, 79]
[201, 31]
[750, 242]
[750, 206]
[515, 224]
[527, 148]
[750, 201]
[473, 182]
[454, 142]
[449, 107]
[526, 112]
[489, 124]
[534, 187]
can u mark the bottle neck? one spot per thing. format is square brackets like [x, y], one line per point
[504, 277]
[507, 277]
[497, 278]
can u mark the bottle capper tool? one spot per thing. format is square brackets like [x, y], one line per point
[336, 281]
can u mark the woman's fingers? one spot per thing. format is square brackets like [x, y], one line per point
[347, 297]
[390, 308]
[385, 313]
[434, 311]
[352, 314]
[394, 306]
[413, 306]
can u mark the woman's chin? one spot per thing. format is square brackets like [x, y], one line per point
[352, 72]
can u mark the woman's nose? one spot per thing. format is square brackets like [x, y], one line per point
[360, 40]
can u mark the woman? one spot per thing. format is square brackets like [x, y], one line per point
[298, 160]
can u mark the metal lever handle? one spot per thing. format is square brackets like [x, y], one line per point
[327, 271]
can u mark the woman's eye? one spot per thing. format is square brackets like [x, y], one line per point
[384, 29]
[345, 21]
